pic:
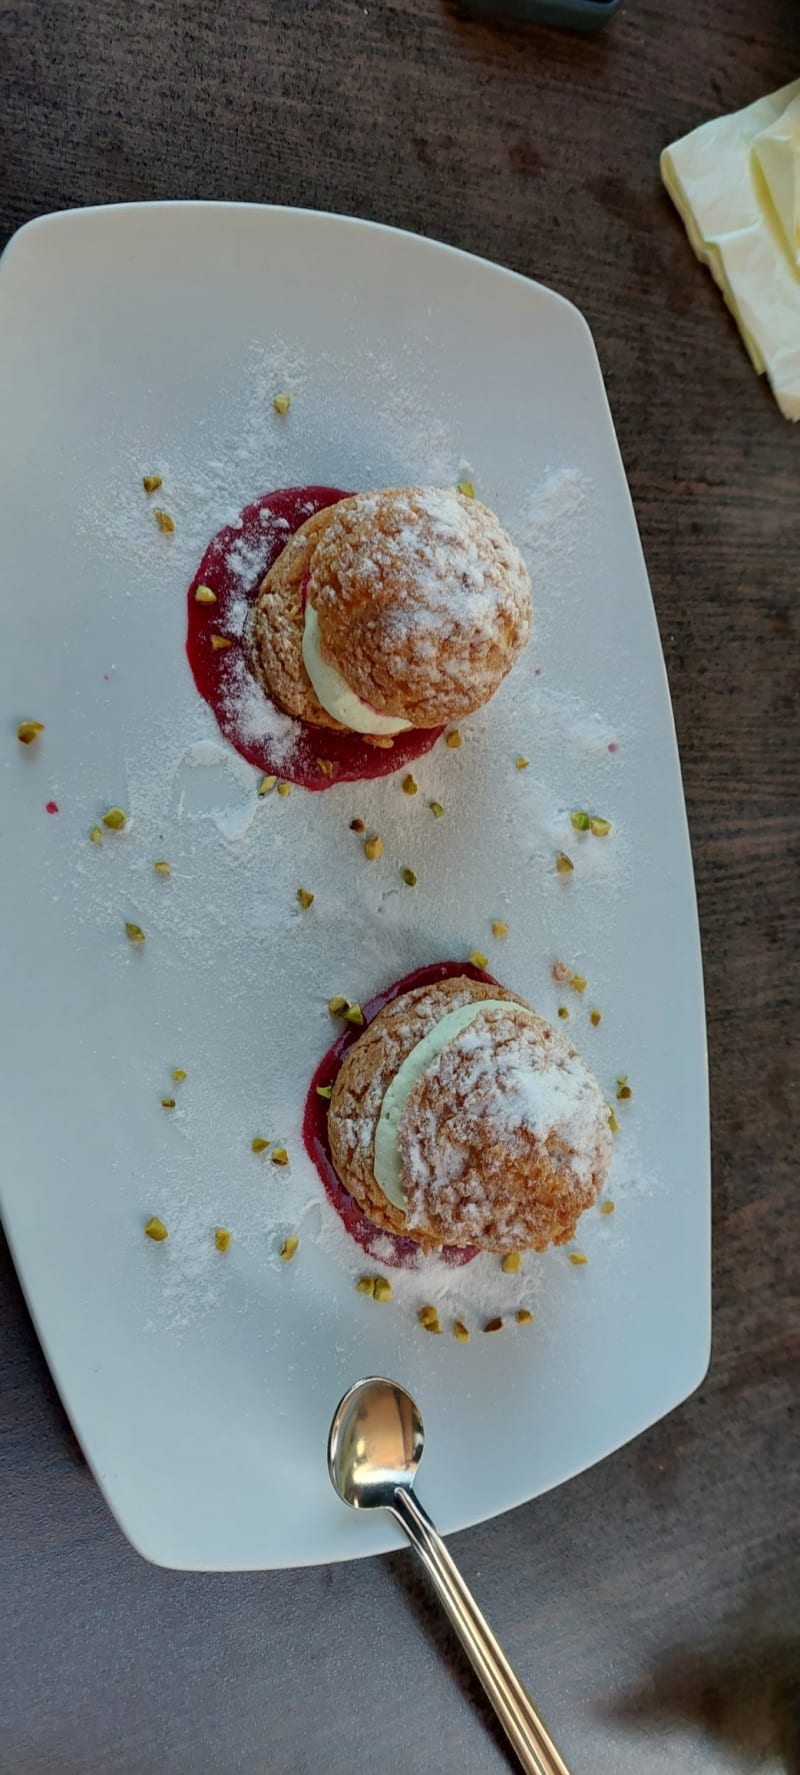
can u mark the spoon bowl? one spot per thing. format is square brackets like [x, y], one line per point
[375, 1444]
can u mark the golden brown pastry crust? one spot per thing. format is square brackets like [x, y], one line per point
[476, 1170]
[476, 1173]
[365, 1075]
[275, 627]
[423, 601]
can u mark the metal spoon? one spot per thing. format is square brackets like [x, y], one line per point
[374, 1449]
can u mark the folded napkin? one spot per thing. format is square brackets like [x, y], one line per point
[736, 184]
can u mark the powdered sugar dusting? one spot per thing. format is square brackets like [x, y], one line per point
[553, 511]
[502, 1095]
[525, 1087]
[474, 1294]
[457, 576]
[254, 716]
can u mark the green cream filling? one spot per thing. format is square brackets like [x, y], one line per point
[388, 1163]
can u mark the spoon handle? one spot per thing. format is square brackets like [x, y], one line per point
[510, 1700]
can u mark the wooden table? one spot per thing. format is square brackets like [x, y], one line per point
[651, 1603]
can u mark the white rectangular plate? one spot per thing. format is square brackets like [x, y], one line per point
[152, 338]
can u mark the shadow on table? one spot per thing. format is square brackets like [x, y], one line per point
[742, 1694]
[431, 1619]
[22, 1362]
[745, 1695]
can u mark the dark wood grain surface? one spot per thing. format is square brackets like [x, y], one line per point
[652, 1604]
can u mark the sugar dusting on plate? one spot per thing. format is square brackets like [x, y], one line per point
[256, 716]
[239, 973]
[553, 511]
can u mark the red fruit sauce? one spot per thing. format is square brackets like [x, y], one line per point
[404, 1253]
[234, 565]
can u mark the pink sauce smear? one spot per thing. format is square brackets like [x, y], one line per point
[262, 532]
[404, 1253]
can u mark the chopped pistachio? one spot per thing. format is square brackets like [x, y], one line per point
[607, 1207]
[28, 731]
[357, 826]
[428, 1316]
[409, 878]
[578, 983]
[578, 1258]
[410, 787]
[522, 763]
[493, 1325]
[96, 835]
[478, 959]
[204, 595]
[266, 785]
[162, 868]
[155, 1229]
[165, 523]
[327, 766]
[600, 828]
[511, 1263]
[279, 1155]
[523, 1316]
[460, 1331]
[365, 1285]
[284, 788]
[623, 1089]
[134, 933]
[168, 1103]
[595, 1017]
[612, 1122]
[453, 740]
[178, 1075]
[337, 1005]
[151, 483]
[563, 1013]
[467, 489]
[500, 928]
[560, 971]
[222, 1238]
[282, 403]
[436, 809]
[564, 864]
[354, 1014]
[383, 1288]
[220, 642]
[306, 899]
[115, 819]
[258, 1145]
[325, 1091]
[580, 820]
[373, 848]
[289, 1248]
